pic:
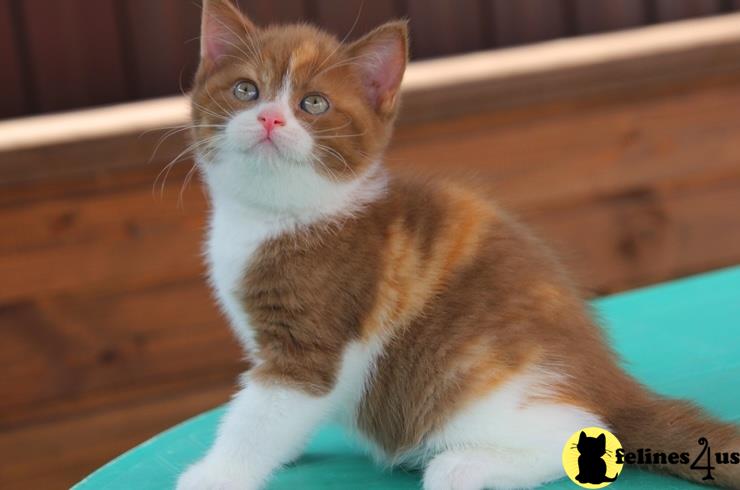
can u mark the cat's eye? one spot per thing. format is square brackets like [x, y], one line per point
[315, 104]
[246, 91]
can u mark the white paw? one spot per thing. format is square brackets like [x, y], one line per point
[455, 471]
[206, 476]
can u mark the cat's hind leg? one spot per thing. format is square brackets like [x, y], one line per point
[479, 469]
[507, 439]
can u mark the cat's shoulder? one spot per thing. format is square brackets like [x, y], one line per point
[434, 197]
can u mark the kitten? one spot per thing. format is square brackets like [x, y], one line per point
[420, 315]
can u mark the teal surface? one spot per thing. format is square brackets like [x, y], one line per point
[680, 338]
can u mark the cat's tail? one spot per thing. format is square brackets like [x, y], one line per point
[648, 421]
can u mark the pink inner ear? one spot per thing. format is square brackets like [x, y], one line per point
[383, 62]
[215, 38]
[223, 30]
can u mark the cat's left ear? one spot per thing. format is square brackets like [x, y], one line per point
[223, 29]
[381, 57]
[602, 438]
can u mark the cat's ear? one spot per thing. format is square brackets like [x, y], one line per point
[582, 437]
[381, 56]
[602, 439]
[223, 29]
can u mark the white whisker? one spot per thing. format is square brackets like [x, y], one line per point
[210, 96]
[335, 154]
[185, 184]
[165, 172]
[321, 131]
[344, 39]
[334, 136]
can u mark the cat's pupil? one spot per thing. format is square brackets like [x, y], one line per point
[315, 104]
[246, 91]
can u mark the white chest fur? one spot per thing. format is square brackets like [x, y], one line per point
[252, 203]
[233, 239]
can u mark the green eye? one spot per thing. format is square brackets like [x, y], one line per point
[315, 104]
[246, 91]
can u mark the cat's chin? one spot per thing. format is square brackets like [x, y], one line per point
[259, 154]
[266, 145]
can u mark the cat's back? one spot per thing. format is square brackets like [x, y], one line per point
[457, 228]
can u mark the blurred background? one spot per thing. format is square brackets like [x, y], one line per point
[610, 127]
[60, 55]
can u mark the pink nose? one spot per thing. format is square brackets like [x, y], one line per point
[270, 119]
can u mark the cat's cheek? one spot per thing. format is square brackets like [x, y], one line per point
[242, 132]
[295, 143]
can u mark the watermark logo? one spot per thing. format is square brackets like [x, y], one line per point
[590, 458]
[705, 459]
[594, 458]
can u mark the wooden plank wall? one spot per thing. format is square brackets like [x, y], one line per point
[108, 334]
[65, 54]
[14, 99]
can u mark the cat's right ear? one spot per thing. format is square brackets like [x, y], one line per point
[381, 57]
[582, 437]
[223, 28]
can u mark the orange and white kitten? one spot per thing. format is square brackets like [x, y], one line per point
[419, 315]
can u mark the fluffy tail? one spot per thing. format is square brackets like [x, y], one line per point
[649, 421]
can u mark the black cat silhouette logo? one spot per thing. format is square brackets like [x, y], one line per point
[589, 458]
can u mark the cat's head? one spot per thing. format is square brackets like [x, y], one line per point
[592, 446]
[291, 109]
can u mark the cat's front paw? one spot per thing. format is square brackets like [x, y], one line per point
[207, 476]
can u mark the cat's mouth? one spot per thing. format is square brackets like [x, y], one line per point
[267, 147]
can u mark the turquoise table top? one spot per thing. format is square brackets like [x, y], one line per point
[681, 338]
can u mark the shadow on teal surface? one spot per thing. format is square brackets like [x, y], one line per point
[682, 339]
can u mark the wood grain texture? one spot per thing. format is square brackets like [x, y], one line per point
[83, 345]
[652, 232]
[340, 17]
[527, 21]
[667, 10]
[610, 68]
[76, 53]
[594, 150]
[89, 243]
[58, 453]
[81, 53]
[441, 27]
[265, 13]
[162, 45]
[598, 15]
[14, 98]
